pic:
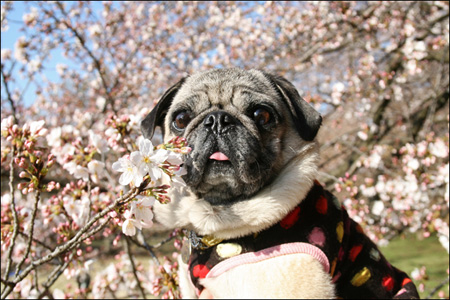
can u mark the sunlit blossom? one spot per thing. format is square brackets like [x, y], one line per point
[129, 227]
[131, 172]
[96, 169]
[150, 159]
[7, 123]
[98, 142]
[5, 54]
[142, 208]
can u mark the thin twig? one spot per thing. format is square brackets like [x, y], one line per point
[15, 217]
[429, 119]
[9, 97]
[113, 294]
[36, 241]
[97, 63]
[57, 271]
[133, 267]
[141, 242]
[36, 280]
[437, 288]
[95, 230]
[30, 233]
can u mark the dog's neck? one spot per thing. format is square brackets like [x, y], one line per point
[264, 209]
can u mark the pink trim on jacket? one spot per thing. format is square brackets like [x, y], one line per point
[279, 250]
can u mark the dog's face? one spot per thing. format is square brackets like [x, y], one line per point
[243, 127]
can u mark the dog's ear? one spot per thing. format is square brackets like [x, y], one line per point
[158, 113]
[306, 119]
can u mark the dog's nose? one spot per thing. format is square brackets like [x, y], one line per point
[218, 121]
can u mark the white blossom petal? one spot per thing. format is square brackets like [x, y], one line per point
[128, 227]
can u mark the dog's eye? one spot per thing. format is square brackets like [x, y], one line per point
[261, 116]
[182, 119]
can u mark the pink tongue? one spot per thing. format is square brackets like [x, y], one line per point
[219, 156]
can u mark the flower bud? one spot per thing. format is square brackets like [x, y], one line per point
[23, 164]
[44, 171]
[33, 158]
[50, 163]
[29, 144]
[15, 128]
[22, 185]
[24, 174]
[185, 150]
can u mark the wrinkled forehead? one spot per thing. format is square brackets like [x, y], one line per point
[225, 87]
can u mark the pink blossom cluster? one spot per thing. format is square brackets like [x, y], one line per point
[405, 200]
[25, 149]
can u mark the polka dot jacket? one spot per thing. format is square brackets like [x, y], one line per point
[321, 227]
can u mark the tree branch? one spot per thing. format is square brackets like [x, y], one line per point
[8, 96]
[133, 267]
[57, 271]
[437, 288]
[77, 239]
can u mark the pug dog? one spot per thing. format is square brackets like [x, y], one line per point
[260, 225]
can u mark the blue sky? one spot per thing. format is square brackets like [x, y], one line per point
[8, 40]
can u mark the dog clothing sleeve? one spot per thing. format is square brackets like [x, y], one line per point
[321, 227]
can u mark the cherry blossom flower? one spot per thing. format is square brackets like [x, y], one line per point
[377, 208]
[54, 138]
[362, 135]
[37, 128]
[142, 209]
[177, 181]
[99, 143]
[77, 209]
[132, 173]
[149, 159]
[7, 123]
[129, 227]
[96, 169]
[5, 54]
[76, 170]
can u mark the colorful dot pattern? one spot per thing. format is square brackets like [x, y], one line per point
[358, 268]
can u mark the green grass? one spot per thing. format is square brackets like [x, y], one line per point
[409, 253]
